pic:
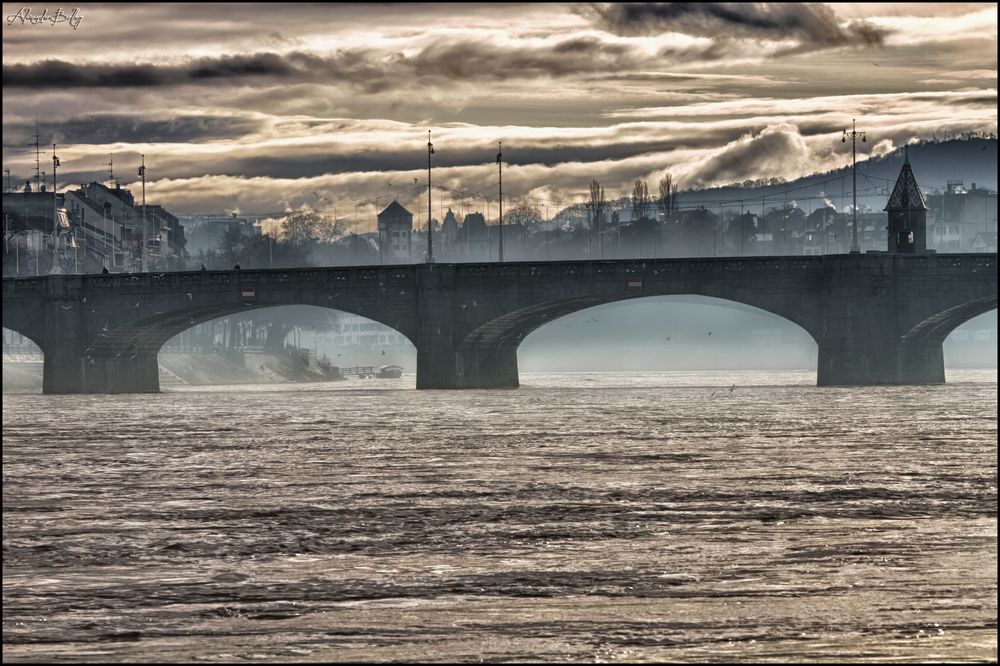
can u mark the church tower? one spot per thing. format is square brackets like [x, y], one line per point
[907, 213]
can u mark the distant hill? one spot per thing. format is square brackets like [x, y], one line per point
[934, 164]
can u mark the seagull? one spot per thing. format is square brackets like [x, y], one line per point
[876, 64]
[414, 180]
[189, 296]
[668, 339]
[137, 304]
[710, 332]
[66, 307]
[732, 388]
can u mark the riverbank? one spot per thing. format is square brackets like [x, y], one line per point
[201, 369]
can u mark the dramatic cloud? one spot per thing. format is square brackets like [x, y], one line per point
[360, 67]
[258, 106]
[811, 25]
[128, 128]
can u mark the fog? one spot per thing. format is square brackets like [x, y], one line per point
[700, 333]
[668, 333]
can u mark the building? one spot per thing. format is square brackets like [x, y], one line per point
[473, 238]
[90, 228]
[907, 213]
[449, 232]
[958, 215]
[395, 233]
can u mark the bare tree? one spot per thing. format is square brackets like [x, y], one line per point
[231, 245]
[640, 200]
[667, 202]
[598, 204]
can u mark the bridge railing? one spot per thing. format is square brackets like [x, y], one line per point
[476, 272]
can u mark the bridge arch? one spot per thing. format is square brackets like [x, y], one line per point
[148, 335]
[935, 329]
[921, 353]
[490, 350]
[27, 336]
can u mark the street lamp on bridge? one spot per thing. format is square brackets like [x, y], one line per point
[853, 135]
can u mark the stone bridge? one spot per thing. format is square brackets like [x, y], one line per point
[877, 318]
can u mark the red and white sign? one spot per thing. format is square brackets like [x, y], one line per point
[635, 284]
[249, 294]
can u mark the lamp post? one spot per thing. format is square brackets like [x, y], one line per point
[853, 135]
[500, 171]
[142, 242]
[55, 204]
[430, 245]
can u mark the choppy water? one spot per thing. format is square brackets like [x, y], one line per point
[580, 518]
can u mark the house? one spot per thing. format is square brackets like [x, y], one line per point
[395, 232]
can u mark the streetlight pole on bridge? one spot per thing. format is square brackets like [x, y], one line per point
[500, 171]
[854, 134]
[142, 245]
[430, 246]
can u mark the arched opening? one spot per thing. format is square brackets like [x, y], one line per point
[286, 344]
[682, 338]
[23, 363]
[970, 349]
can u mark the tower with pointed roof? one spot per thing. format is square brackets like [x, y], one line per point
[907, 213]
[395, 228]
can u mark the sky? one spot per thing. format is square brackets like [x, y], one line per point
[260, 108]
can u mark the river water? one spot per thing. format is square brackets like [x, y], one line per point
[659, 517]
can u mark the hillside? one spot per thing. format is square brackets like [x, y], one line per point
[934, 164]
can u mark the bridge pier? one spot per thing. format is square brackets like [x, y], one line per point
[488, 369]
[852, 362]
[70, 371]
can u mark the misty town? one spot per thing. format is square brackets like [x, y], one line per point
[437, 333]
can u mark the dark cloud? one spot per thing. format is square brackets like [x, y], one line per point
[63, 74]
[814, 26]
[113, 128]
[364, 68]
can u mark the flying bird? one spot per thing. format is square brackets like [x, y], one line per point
[710, 332]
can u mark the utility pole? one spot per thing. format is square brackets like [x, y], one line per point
[111, 168]
[854, 134]
[430, 246]
[500, 169]
[7, 171]
[142, 242]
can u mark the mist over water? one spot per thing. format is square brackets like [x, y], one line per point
[587, 516]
